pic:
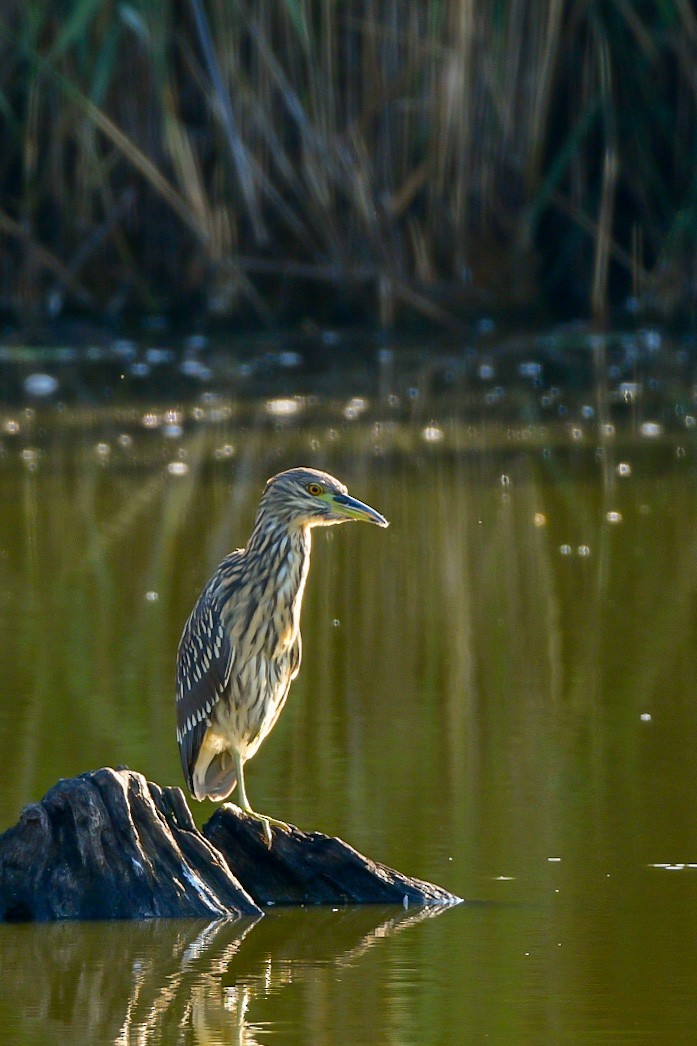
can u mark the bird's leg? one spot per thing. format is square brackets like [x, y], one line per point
[244, 804]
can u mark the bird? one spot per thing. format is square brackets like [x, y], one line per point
[241, 648]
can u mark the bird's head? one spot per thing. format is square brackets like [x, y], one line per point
[308, 498]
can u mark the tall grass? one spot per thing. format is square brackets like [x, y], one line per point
[246, 156]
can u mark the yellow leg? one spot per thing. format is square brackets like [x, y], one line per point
[244, 805]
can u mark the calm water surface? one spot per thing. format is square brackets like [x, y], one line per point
[498, 692]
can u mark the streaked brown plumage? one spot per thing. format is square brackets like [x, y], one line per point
[241, 647]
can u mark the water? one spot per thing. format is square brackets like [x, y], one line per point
[497, 693]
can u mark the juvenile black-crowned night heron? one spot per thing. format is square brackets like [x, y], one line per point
[240, 649]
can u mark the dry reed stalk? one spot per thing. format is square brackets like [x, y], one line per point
[431, 143]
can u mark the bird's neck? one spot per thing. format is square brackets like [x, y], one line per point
[274, 543]
[278, 556]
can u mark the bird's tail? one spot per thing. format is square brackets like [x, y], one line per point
[219, 779]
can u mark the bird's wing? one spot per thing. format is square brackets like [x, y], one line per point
[204, 663]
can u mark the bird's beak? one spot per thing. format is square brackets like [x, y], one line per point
[351, 508]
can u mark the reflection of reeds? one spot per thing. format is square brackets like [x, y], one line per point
[413, 151]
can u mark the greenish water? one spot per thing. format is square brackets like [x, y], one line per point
[498, 694]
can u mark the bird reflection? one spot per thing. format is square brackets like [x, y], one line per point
[183, 981]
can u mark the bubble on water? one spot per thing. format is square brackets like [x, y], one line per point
[177, 468]
[150, 420]
[282, 407]
[172, 431]
[608, 429]
[103, 450]
[152, 597]
[540, 519]
[40, 385]
[630, 391]
[487, 371]
[289, 360]
[226, 451]
[505, 480]
[565, 550]
[651, 429]
[392, 400]
[690, 421]
[193, 368]
[218, 414]
[587, 411]
[195, 342]
[124, 348]
[624, 469]
[336, 623]
[355, 407]
[30, 457]
[645, 717]
[433, 434]
[680, 452]
[530, 369]
[576, 433]
[613, 517]
[651, 339]
[156, 357]
[314, 444]
[124, 440]
[583, 551]
[11, 427]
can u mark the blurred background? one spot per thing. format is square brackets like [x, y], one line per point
[445, 251]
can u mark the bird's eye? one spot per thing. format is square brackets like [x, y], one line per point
[314, 489]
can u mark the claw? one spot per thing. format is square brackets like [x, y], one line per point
[266, 823]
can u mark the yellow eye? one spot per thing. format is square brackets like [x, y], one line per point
[314, 489]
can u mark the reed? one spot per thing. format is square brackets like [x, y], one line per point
[422, 158]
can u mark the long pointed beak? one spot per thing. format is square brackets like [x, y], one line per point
[351, 508]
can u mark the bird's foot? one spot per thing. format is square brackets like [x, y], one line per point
[267, 823]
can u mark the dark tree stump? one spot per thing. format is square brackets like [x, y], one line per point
[309, 867]
[111, 845]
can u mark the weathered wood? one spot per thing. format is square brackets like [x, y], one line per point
[309, 867]
[111, 845]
